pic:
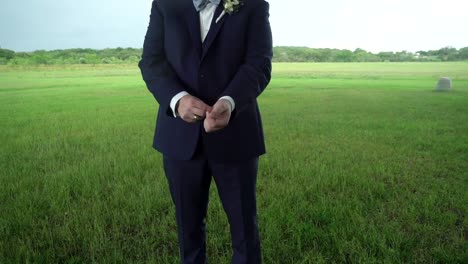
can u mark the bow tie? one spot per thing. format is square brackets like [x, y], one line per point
[201, 4]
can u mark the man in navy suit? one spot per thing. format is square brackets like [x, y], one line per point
[206, 62]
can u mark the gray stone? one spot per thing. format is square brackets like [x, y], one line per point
[444, 84]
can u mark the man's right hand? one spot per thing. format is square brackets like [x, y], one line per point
[190, 107]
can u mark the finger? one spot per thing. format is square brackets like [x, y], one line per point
[223, 118]
[220, 123]
[189, 120]
[215, 128]
[197, 103]
[212, 115]
[219, 109]
[199, 112]
[208, 115]
[216, 125]
[215, 113]
[208, 125]
[189, 117]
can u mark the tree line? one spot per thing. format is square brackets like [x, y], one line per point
[304, 54]
[281, 54]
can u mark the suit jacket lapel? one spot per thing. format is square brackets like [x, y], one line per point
[214, 29]
[193, 23]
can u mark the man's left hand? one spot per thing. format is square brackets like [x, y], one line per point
[218, 117]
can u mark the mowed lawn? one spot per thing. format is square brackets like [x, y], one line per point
[365, 164]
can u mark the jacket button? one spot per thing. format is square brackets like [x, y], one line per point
[202, 75]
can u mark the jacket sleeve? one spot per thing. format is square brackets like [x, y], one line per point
[254, 74]
[159, 76]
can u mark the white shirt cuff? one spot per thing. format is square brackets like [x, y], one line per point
[174, 101]
[230, 100]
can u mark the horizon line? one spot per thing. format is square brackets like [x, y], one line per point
[278, 46]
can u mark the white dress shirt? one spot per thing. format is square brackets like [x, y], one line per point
[206, 16]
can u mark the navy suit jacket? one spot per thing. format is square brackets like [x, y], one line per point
[234, 60]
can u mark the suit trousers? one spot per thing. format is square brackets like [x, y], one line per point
[189, 182]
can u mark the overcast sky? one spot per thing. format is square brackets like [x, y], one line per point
[382, 25]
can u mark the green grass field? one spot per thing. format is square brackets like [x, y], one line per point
[365, 164]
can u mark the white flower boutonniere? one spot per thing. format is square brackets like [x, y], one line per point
[230, 7]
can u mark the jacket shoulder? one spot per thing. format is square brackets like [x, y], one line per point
[255, 4]
[171, 4]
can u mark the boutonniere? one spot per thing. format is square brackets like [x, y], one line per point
[230, 7]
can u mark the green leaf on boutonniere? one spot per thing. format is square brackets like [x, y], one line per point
[232, 6]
